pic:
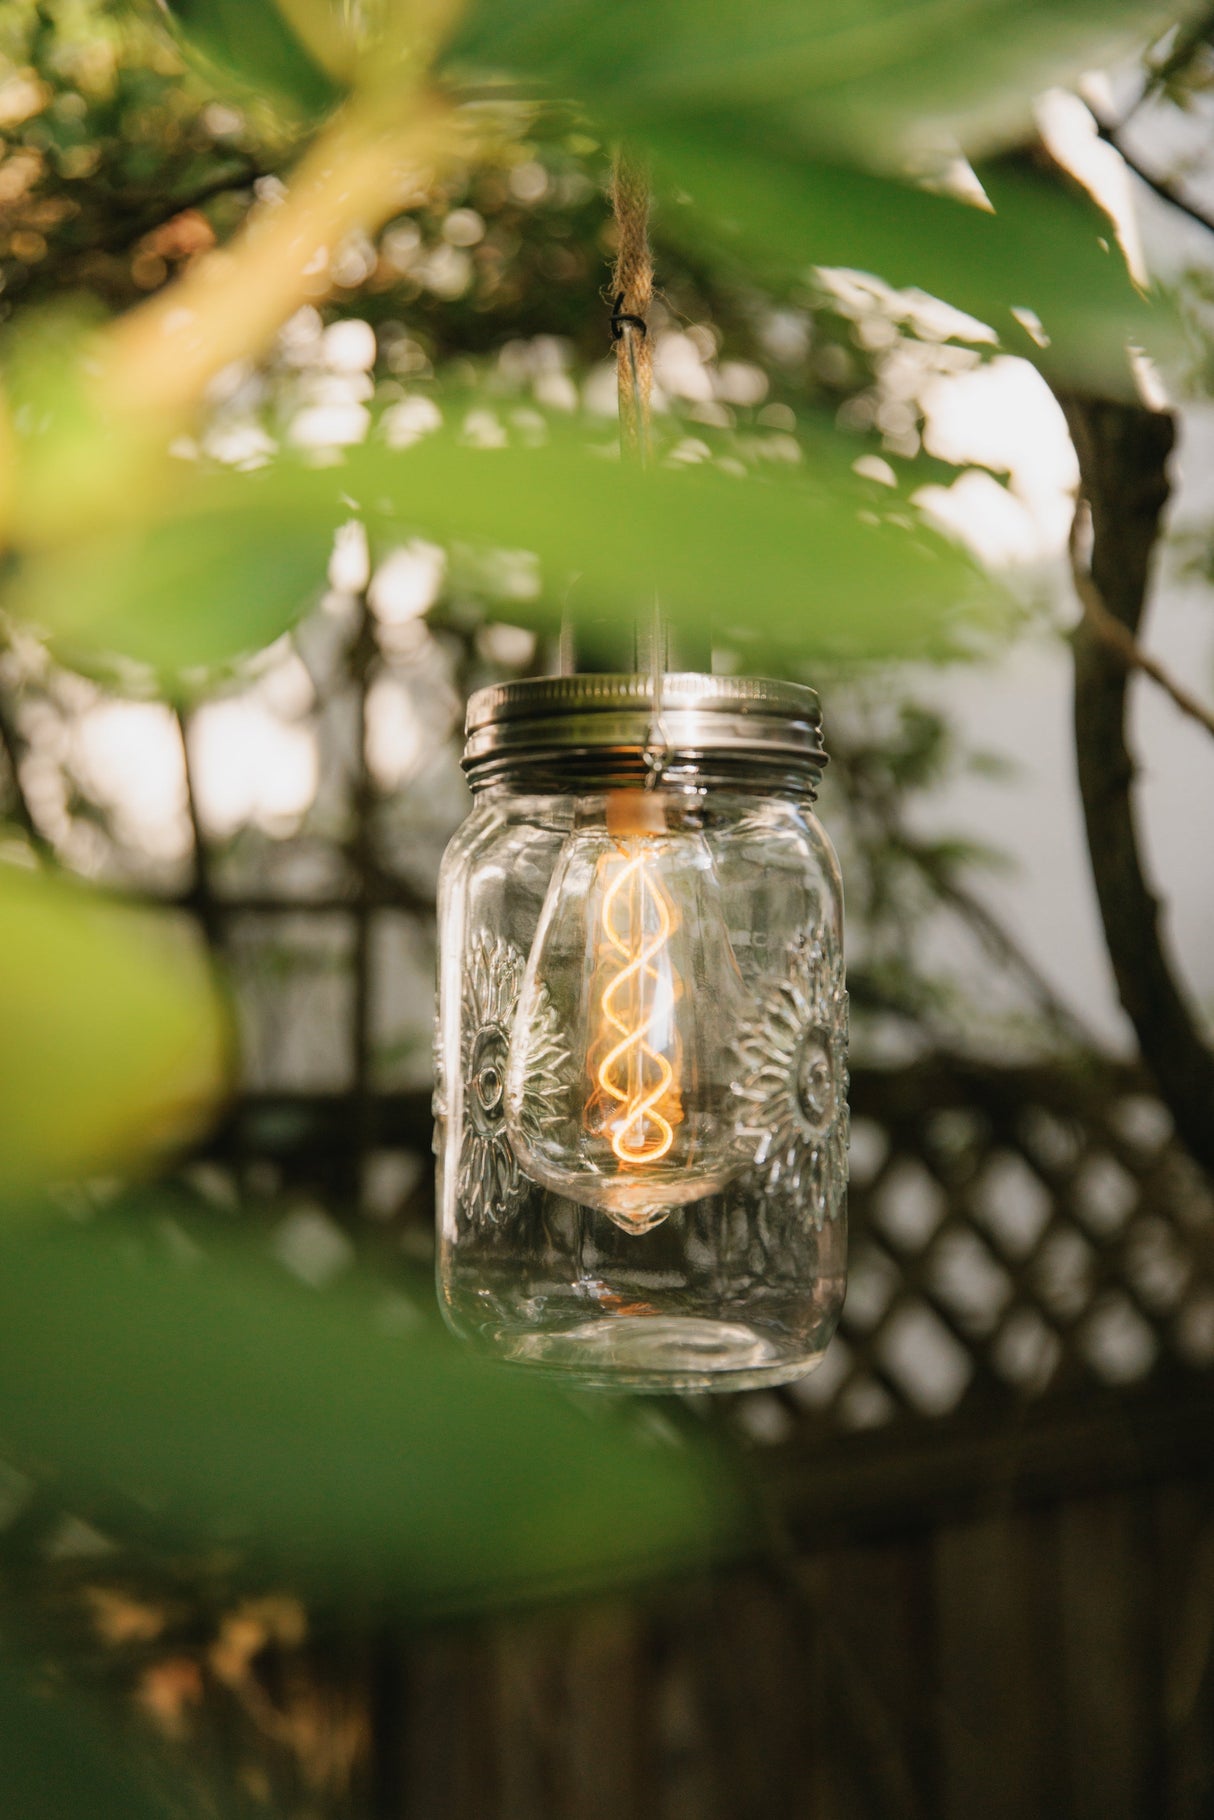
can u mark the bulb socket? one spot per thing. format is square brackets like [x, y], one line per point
[635, 812]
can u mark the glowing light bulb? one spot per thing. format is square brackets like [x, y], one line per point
[636, 1088]
[631, 973]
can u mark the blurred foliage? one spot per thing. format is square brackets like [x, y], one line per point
[345, 1440]
[761, 199]
[58, 1766]
[277, 273]
[260, 47]
[106, 139]
[1042, 251]
[603, 532]
[114, 1041]
[875, 83]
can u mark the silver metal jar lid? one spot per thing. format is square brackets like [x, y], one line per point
[688, 718]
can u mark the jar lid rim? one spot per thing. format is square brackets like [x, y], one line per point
[681, 715]
[542, 696]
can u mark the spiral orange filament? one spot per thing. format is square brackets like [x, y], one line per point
[633, 1078]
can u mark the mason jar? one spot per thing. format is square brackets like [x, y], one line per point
[641, 1077]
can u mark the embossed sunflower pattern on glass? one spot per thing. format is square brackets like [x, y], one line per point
[490, 1181]
[792, 1078]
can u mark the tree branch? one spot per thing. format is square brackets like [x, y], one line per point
[126, 234]
[1127, 648]
[201, 896]
[1000, 943]
[1123, 451]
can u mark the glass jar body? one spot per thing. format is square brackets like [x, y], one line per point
[570, 1240]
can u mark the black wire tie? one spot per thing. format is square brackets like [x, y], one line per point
[620, 316]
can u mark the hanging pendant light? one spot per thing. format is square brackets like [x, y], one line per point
[641, 1100]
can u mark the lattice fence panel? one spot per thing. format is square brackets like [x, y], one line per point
[1016, 1233]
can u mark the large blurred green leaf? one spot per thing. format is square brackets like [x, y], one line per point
[112, 1037]
[55, 1765]
[811, 559]
[231, 1405]
[223, 572]
[252, 42]
[766, 119]
[1046, 248]
[868, 80]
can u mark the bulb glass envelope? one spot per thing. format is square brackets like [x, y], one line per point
[633, 955]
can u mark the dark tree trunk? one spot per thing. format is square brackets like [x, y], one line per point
[1123, 453]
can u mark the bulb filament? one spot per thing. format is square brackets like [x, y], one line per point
[637, 920]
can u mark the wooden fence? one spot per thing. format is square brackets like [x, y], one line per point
[985, 1583]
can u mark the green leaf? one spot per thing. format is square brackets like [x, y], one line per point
[870, 81]
[1046, 248]
[968, 71]
[808, 560]
[769, 121]
[55, 1764]
[251, 41]
[236, 1407]
[219, 570]
[113, 1037]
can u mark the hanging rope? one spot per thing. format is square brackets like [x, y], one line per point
[632, 291]
[631, 296]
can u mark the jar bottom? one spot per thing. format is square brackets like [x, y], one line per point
[659, 1352]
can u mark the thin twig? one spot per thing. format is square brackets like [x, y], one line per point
[954, 896]
[1189, 40]
[129, 234]
[155, 362]
[11, 744]
[1112, 633]
[1109, 131]
[201, 897]
[1000, 943]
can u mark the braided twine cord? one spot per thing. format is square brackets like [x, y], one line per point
[632, 290]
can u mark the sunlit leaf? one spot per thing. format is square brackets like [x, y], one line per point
[969, 72]
[113, 1040]
[1044, 249]
[326, 1436]
[868, 81]
[809, 559]
[768, 122]
[252, 42]
[191, 586]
